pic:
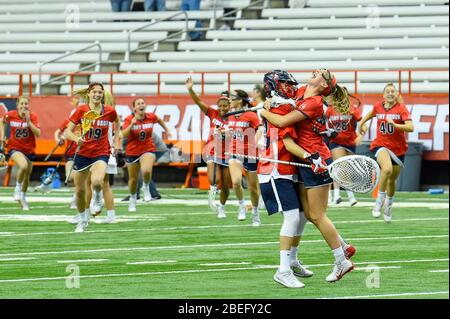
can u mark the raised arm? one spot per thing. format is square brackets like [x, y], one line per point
[194, 96]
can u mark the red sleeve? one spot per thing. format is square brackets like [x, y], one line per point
[153, 117]
[405, 114]
[254, 120]
[375, 109]
[310, 108]
[357, 114]
[75, 118]
[113, 115]
[127, 121]
[212, 113]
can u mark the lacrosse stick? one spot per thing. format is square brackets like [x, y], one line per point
[213, 188]
[357, 173]
[86, 124]
[52, 151]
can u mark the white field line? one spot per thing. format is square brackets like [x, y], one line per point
[226, 264]
[81, 261]
[405, 294]
[18, 259]
[200, 202]
[65, 218]
[221, 245]
[150, 262]
[442, 270]
[377, 267]
[153, 229]
[188, 271]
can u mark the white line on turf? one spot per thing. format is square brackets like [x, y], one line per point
[151, 262]
[221, 245]
[226, 264]
[441, 270]
[256, 267]
[81, 261]
[405, 294]
[152, 229]
[14, 259]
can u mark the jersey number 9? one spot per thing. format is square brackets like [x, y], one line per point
[95, 133]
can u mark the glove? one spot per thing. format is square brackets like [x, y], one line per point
[318, 165]
[320, 127]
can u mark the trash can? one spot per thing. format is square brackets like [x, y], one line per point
[409, 179]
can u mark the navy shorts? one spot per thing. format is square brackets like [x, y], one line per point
[351, 149]
[280, 195]
[219, 161]
[310, 179]
[134, 159]
[30, 157]
[250, 165]
[81, 163]
[401, 158]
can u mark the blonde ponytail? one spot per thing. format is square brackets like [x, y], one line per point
[340, 100]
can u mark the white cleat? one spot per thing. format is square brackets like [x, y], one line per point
[287, 279]
[353, 202]
[16, 194]
[376, 213]
[24, 204]
[147, 195]
[132, 206]
[242, 213]
[106, 220]
[81, 227]
[387, 213]
[300, 271]
[339, 270]
[75, 220]
[256, 221]
[96, 206]
[221, 212]
[212, 198]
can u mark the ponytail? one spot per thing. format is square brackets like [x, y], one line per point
[340, 100]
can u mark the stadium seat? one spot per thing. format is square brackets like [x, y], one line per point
[82, 36]
[355, 3]
[63, 47]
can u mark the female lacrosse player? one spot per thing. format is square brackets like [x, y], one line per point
[389, 145]
[344, 118]
[92, 158]
[279, 185]
[140, 150]
[315, 183]
[242, 129]
[217, 167]
[24, 128]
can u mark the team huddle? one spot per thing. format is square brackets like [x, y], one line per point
[284, 146]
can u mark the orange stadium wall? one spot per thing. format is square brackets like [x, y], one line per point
[430, 114]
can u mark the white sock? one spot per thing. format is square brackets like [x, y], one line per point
[111, 213]
[22, 195]
[96, 195]
[330, 195]
[242, 202]
[337, 193]
[133, 197]
[380, 199]
[294, 251]
[343, 243]
[19, 185]
[285, 264]
[255, 211]
[339, 254]
[389, 201]
[350, 195]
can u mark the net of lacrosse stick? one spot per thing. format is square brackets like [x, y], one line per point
[357, 173]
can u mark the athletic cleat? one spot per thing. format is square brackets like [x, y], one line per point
[221, 212]
[256, 221]
[339, 270]
[337, 201]
[349, 251]
[300, 271]
[132, 206]
[353, 202]
[17, 191]
[75, 220]
[242, 213]
[287, 279]
[387, 213]
[81, 227]
[376, 213]
[212, 198]
[147, 195]
[106, 220]
[96, 207]
[24, 204]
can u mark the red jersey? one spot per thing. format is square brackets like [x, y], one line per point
[21, 137]
[72, 145]
[96, 139]
[344, 124]
[312, 108]
[216, 121]
[387, 135]
[140, 139]
[276, 149]
[243, 131]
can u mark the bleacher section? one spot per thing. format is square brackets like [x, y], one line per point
[341, 35]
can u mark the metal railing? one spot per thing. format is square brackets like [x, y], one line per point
[129, 51]
[99, 61]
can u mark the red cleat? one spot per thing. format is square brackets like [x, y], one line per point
[349, 251]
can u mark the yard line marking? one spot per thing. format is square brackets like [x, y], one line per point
[188, 271]
[222, 245]
[442, 270]
[19, 258]
[6, 233]
[63, 218]
[151, 262]
[81, 261]
[226, 264]
[135, 218]
[377, 267]
[391, 295]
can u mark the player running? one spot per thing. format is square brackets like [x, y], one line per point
[315, 182]
[92, 158]
[344, 118]
[140, 150]
[24, 128]
[389, 145]
[217, 166]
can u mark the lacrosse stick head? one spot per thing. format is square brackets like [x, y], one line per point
[357, 173]
[3, 162]
[87, 121]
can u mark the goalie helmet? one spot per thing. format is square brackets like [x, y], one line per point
[273, 87]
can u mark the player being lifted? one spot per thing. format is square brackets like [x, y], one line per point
[389, 145]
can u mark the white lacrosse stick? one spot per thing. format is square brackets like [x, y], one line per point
[356, 173]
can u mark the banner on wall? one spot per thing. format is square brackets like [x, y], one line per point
[430, 115]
